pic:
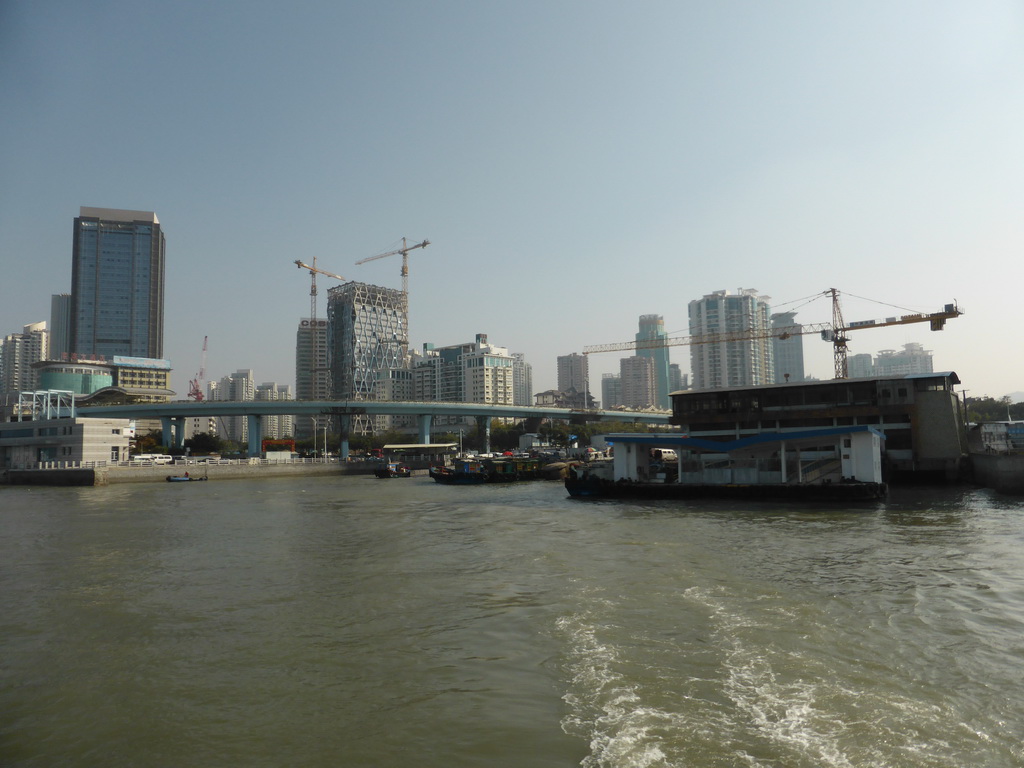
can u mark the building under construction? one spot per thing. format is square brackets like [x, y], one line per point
[367, 337]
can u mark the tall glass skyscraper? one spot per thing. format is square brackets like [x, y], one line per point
[650, 344]
[117, 284]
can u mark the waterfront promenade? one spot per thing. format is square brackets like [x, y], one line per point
[98, 473]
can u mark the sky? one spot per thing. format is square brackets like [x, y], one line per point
[574, 163]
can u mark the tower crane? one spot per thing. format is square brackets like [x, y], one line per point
[195, 386]
[835, 332]
[404, 250]
[313, 272]
[318, 386]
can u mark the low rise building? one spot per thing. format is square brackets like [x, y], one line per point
[919, 415]
[63, 441]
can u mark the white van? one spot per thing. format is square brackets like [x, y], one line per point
[152, 458]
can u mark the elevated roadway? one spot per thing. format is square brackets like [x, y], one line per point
[173, 415]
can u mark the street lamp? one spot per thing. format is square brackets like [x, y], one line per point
[325, 443]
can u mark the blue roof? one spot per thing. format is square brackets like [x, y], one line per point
[724, 446]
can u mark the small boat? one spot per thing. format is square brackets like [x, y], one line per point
[393, 469]
[186, 478]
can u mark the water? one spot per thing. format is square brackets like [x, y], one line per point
[362, 622]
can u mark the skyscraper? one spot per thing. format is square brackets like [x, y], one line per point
[743, 362]
[117, 284]
[652, 329]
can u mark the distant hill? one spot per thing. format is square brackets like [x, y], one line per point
[1016, 397]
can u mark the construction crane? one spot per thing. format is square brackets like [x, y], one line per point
[317, 388]
[313, 272]
[404, 250]
[835, 332]
[195, 386]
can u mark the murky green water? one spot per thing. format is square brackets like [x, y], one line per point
[360, 622]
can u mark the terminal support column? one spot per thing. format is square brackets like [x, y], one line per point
[483, 425]
[255, 424]
[426, 420]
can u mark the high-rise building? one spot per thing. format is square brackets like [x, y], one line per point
[522, 380]
[743, 362]
[611, 390]
[367, 333]
[18, 353]
[788, 352]
[652, 331]
[638, 387]
[275, 427]
[117, 284]
[238, 386]
[677, 380]
[861, 366]
[474, 372]
[573, 373]
[60, 326]
[913, 358]
[312, 377]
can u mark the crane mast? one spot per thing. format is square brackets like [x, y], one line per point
[835, 332]
[315, 391]
[195, 387]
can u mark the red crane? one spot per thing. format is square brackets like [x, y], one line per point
[195, 386]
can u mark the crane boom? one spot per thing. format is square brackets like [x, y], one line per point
[404, 250]
[834, 332]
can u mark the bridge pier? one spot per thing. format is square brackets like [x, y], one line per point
[344, 427]
[255, 424]
[173, 428]
[483, 425]
[426, 421]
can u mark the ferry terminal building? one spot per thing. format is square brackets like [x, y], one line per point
[919, 415]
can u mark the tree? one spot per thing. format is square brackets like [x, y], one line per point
[204, 443]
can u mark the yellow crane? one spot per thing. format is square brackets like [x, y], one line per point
[835, 332]
[404, 250]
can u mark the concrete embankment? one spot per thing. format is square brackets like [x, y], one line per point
[117, 474]
[1004, 473]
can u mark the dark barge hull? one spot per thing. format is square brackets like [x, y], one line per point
[838, 492]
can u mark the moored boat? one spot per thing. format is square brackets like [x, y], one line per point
[393, 469]
[186, 478]
[462, 472]
[478, 471]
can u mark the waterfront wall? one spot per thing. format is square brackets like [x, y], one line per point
[1003, 472]
[111, 475]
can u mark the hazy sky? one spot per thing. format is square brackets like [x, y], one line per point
[575, 164]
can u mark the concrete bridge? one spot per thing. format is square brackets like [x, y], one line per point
[173, 415]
